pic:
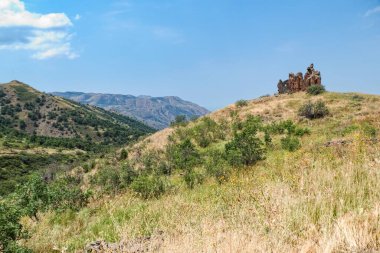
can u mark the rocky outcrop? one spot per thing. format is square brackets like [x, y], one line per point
[299, 82]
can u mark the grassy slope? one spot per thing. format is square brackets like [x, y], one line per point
[315, 199]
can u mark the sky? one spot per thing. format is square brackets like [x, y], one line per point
[211, 52]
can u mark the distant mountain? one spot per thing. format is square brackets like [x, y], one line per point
[157, 112]
[28, 111]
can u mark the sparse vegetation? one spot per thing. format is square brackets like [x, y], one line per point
[241, 103]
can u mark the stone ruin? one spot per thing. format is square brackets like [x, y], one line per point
[298, 82]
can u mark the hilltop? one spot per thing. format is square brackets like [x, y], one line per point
[289, 173]
[157, 112]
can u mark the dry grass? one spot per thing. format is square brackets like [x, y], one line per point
[318, 199]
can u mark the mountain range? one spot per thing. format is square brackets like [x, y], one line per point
[156, 112]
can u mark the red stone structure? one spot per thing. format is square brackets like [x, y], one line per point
[298, 82]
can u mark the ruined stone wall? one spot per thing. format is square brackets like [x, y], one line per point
[298, 82]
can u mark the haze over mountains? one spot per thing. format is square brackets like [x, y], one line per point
[157, 112]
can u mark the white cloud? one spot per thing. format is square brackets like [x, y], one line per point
[77, 17]
[373, 11]
[13, 13]
[45, 35]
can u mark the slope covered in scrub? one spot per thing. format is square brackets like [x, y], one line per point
[250, 177]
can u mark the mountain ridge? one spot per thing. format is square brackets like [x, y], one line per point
[157, 112]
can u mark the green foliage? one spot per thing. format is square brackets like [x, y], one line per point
[206, 132]
[217, 166]
[193, 177]
[123, 154]
[33, 196]
[290, 143]
[113, 180]
[10, 229]
[65, 193]
[16, 168]
[246, 148]
[180, 120]
[286, 127]
[316, 89]
[149, 186]
[369, 130]
[313, 110]
[183, 155]
[241, 103]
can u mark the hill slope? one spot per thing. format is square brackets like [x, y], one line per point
[157, 112]
[40, 132]
[30, 111]
[304, 186]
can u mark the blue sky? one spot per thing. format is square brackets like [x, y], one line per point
[206, 51]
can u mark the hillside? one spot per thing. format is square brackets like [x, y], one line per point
[30, 111]
[157, 112]
[40, 131]
[253, 177]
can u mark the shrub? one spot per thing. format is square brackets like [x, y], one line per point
[149, 186]
[109, 179]
[316, 89]
[206, 132]
[315, 110]
[123, 154]
[290, 143]
[246, 148]
[10, 229]
[183, 155]
[217, 167]
[66, 194]
[180, 120]
[369, 130]
[33, 196]
[241, 103]
[193, 177]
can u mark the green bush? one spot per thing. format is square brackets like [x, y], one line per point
[123, 154]
[206, 132]
[10, 229]
[369, 130]
[182, 156]
[290, 143]
[316, 89]
[180, 120]
[217, 166]
[193, 177]
[246, 148]
[312, 110]
[241, 103]
[33, 196]
[65, 193]
[149, 186]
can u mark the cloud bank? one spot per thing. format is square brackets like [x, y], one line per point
[45, 35]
